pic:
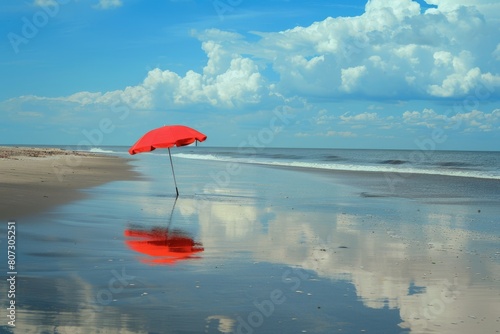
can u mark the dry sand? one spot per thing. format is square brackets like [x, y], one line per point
[34, 179]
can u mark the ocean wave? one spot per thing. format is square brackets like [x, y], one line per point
[394, 167]
[394, 162]
[202, 156]
[100, 150]
[282, 156]
[331, 157]
[453, 164]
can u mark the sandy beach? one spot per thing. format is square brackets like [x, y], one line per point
[261, 250]
[35, 179]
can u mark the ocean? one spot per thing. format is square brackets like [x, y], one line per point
[470, 164]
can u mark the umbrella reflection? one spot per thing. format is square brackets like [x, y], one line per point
[161, 245]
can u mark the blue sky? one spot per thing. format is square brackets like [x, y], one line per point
[326, 73]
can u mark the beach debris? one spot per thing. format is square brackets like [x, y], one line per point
[15, 153]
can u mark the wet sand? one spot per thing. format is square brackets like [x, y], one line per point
[35, 179]
[271, 251]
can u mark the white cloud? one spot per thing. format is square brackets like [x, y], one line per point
[467, 121]
[442, 58]
[359, 117]
[496, 53]
[44, 3]
[351, 77]
[340, 134]
[474, 120]
[391, 10]
[457, 75]
[227, 81]
[489, 8]
[83, 98]
[221, 85]
[29, 114]
[327, 134]
[392, 50]
[108, 4]
[102, 4]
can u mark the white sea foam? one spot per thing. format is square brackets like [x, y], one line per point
[204, 157]
[100, 150]
[395, 169]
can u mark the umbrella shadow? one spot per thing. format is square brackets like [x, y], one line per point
[162, 245]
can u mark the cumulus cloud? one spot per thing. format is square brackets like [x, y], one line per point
[227, 81]
[474, 120]
[359, 117]
[237, 84]
[350, 77]
[496, 53]
[489, 8]
[368, 124]
[392, 50]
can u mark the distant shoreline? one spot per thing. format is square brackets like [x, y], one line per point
[34, 179]
[235, 147]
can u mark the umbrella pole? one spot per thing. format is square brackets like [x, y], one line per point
[173, 173]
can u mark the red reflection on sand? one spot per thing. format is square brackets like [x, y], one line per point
[161, 245]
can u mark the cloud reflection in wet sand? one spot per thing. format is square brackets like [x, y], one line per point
[425, 271]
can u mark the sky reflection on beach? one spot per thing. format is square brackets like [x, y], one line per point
[384, 261]
[318, 260]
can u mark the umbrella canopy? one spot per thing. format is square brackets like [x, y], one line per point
[167, 137]
[162, 246]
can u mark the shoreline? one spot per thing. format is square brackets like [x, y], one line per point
[35, 179]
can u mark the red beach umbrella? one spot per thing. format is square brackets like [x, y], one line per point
[167, 137]
[161, 245]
